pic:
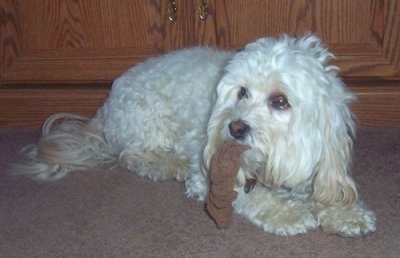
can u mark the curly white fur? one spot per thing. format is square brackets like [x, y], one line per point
[166, 117]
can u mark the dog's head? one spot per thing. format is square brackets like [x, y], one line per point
[283, 99]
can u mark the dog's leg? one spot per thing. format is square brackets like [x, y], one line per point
[197, 185]
[157, 164]
[274, 211]
[348, 221]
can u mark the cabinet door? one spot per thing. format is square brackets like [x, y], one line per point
[363, 34]
[194, 24]
[76, 41]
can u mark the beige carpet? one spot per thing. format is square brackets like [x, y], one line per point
[113, 213]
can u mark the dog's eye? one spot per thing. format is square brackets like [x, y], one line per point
[242, 93]
[279, 101]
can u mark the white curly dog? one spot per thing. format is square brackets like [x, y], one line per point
[166, 117]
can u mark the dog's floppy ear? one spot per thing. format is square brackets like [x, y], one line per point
[332, 182]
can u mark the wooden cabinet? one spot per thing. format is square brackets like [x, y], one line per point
[89, 43]
[53, 41]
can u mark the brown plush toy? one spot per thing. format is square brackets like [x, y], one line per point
[224, 167]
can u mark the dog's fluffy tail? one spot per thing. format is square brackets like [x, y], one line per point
[69, 142]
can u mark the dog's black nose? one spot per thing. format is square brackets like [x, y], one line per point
[238, 129]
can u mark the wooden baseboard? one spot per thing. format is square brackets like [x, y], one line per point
[29, 106]
[378, 102]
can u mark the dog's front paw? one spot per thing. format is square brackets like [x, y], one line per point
[197, 187]
[350, 221]
[279, 216]
[291, 220]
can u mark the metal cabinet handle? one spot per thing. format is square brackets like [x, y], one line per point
[203, 9]
[202, 6]
[171, 8]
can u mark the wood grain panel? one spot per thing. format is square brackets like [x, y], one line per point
[377, 104]
[239, 22]
[9, 35]
[76, 41]
[363, 34]
[29, 106]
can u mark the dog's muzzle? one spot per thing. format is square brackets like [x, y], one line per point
[239, 129]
